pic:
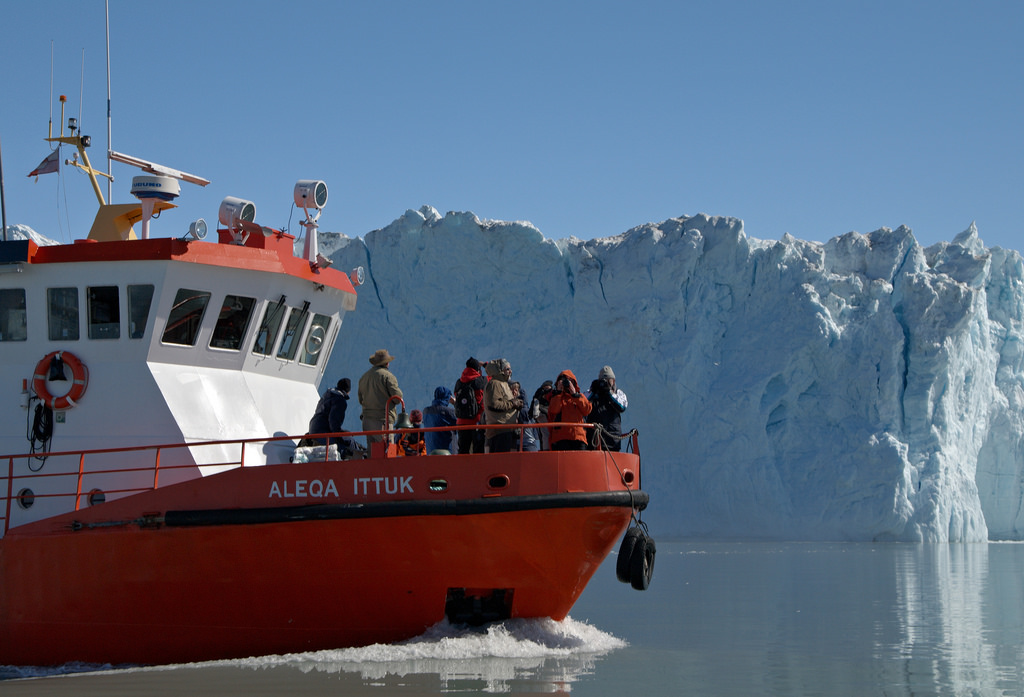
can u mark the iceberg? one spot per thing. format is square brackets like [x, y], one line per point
[864, 388]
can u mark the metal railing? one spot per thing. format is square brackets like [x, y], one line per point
[155, 454]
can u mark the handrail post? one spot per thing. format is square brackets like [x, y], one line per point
[81, 473]
[156, 470]
[10, 493]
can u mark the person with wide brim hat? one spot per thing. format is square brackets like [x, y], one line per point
[376, 387]
[381, 357]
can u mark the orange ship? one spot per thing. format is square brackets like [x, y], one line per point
[181, 530]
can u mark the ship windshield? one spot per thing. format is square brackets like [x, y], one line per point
[266, 336]
[232, 322]
[290, 342]
[186, 317]
[316, 338]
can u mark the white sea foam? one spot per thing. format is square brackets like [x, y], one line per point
[496, 653]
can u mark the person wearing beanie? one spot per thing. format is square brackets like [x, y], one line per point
[619, 395]
[469, 406]
[329, 415]
[440, 413]
[608, 404]
[376, 387]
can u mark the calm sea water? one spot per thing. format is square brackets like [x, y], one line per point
[718, 619]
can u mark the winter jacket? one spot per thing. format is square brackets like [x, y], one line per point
[531, 439]
[479, 382]
[499, 404]
[439, 413]
[376, 386]
[570, 406]
[330, 412]
[607, 411]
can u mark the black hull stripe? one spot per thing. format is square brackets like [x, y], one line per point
[394, 509]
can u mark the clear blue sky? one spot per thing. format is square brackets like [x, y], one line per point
[585, 118]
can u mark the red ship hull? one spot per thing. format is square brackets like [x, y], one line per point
[311, 556]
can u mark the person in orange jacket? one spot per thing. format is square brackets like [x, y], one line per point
[412, 442]
[570, 405]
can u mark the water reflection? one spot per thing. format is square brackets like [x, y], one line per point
[959, 619]
[835, 619]
[723, 619]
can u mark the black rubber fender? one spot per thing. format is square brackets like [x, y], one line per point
[641, 563]
[624, 562]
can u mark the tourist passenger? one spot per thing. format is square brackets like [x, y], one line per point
[618, 395]
[531, 441]
[411, 442]
[500, 407]
[469, 406]
[329, 415]
[440, 413]
[376, 387]
[570, 406]
[539, 412]
[607, 412]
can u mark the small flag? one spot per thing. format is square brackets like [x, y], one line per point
[50, 164]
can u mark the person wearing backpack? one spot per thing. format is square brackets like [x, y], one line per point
[469, 406]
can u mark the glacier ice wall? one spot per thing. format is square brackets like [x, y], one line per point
[861, 389]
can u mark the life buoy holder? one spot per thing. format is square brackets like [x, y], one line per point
[80, 380]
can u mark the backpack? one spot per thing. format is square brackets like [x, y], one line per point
[466, 406]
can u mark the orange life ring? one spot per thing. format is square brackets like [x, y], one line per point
[80, 376]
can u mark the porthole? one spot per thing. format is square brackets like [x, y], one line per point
[96, 497]
[498, 481]
[438, 485]
[26, 497]
[628, 477]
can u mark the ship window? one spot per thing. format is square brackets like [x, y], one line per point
[96, 497]
[12, 315]
[26, 497]
[140, 298]
[316, 337]
[266, 337]
[234, 318]
[62, 313]
[186, 316]
[104, 313]
[290, 342]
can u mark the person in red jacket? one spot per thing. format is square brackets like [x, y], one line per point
[469, 406]
[570, 405]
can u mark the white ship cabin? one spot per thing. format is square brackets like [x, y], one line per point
[144, 341]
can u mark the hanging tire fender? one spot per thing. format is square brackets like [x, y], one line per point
[641, 565]
[622, 564]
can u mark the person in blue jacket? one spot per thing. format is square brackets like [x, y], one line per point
[440, 413]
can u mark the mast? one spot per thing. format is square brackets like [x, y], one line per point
[3, 205]
[110, 178]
